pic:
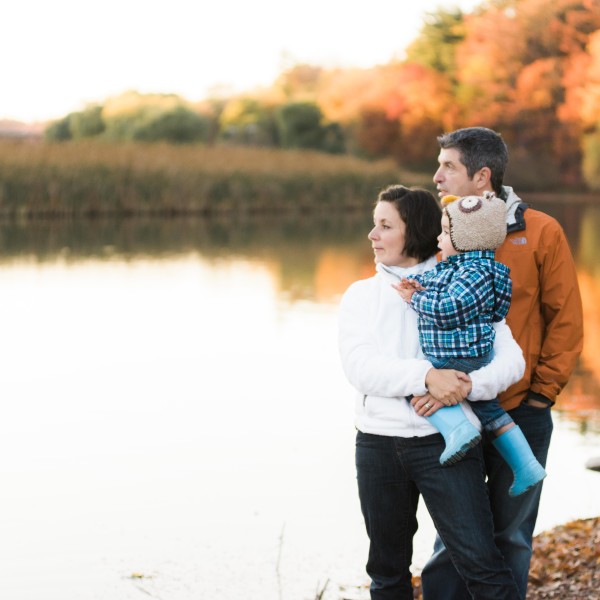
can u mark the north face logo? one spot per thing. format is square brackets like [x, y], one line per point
[519, 241]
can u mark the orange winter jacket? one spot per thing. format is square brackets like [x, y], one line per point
[545, 315]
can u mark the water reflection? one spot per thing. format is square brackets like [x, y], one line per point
[175, 408]
[310, 259]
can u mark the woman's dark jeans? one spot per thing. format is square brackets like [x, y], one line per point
[392, 472]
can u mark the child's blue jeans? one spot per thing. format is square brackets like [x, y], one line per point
[489, 412]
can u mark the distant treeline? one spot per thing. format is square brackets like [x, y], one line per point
[527, 68]
[88, 178]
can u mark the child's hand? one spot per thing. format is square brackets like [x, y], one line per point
[404, 289]
[412, 283]
[407, 287]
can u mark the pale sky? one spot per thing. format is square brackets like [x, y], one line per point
[59, 55]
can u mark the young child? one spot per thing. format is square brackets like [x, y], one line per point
[457, 303]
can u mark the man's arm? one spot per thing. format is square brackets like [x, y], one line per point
[562, 313]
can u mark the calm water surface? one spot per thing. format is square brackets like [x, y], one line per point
[175, 422]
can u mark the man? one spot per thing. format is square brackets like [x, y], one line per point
[546, 320]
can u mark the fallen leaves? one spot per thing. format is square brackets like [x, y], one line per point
[565, 564]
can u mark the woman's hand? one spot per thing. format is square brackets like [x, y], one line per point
[447, 385]
[425, 406]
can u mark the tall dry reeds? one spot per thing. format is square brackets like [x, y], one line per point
[93, 179]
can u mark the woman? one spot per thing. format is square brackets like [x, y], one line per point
[397, 450]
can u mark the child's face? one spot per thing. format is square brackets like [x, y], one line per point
[444, 241]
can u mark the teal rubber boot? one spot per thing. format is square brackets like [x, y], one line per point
[515, 450]
[459, 433]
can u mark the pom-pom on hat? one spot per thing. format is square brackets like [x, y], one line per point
[476, 222]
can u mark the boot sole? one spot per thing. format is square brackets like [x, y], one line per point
[541, 474]
[458, 456]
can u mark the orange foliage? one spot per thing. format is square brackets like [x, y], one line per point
[338, 268]
[300, 82]
[590, 296]
[487, 63]
[581, 396]
[574, 81]
[539, 85]
[522, 58]
[345, 94]
[390, 104]
[581, 81]
[528, 68]
[565, 564]
[376, 134]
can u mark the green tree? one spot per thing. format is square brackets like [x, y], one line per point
[77, 125]
[87, 123]
[300, 125]
[153, 117]
[334, 139]
[178, 125]
[435, 46]
[248, 121]
[59, 131]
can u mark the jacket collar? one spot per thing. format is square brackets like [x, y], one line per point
[515, 210]
[399, 272]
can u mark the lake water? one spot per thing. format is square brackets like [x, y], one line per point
[175, 422]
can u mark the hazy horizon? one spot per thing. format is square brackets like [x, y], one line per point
[65, 56]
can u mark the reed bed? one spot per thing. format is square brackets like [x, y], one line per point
[100, 179]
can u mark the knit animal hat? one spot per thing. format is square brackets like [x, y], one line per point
[476, 222]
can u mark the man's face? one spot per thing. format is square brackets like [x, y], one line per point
[451, 177]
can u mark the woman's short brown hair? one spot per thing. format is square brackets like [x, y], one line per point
[421, 213]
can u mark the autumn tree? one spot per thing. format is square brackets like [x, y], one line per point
[395, 109]
[347, 96]
[248, 120]
[435, 46]
[300, 82]
[513, 71]
[588, 100]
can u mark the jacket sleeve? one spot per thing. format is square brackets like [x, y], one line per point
[507, 366]
[462, 300]
[369, 370]
[562, 314]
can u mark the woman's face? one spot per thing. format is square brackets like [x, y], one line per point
[387, 236]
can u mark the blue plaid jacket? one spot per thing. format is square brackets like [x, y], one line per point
[465, 294]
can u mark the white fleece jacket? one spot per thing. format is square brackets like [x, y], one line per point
[382, 358]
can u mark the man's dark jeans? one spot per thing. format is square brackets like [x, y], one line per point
[514, 518]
